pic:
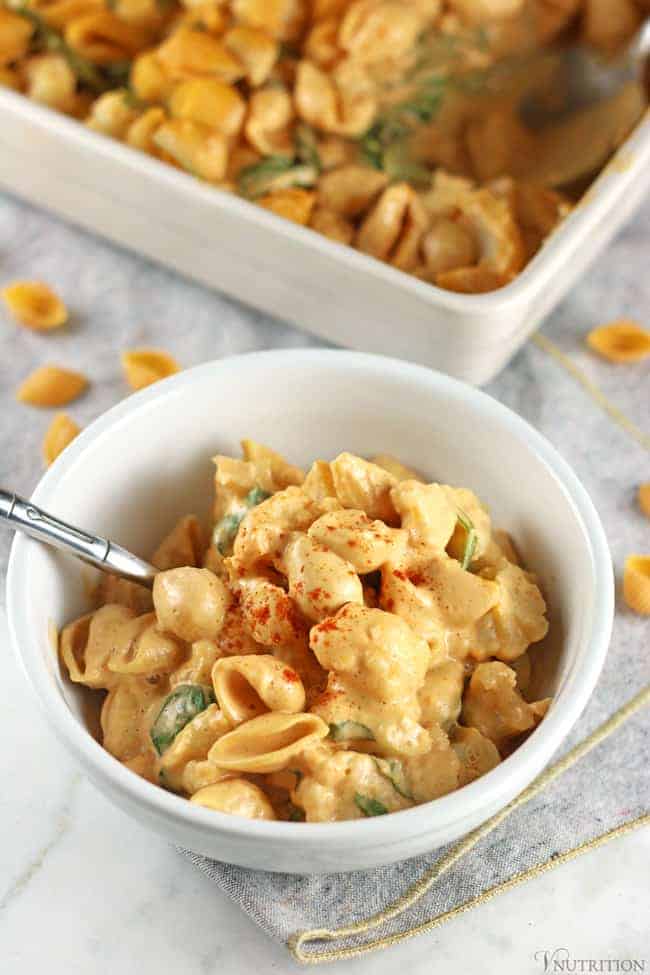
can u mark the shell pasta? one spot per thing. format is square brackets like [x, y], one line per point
[348, 641]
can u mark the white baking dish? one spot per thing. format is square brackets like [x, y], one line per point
[292, 272]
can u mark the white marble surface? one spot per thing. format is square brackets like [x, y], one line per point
[85, 890]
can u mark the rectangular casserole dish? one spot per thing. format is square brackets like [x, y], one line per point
[292, 272]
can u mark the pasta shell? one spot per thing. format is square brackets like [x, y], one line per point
[192, 744]
[237, 797]
[16, 33]
[140, 649]
[183, 546]
[469, 280]
[145, 366]
[101, 37]
[35, 305]
[209, 102]
[86, 643]
[293, 204]
[620, 341]
[254, 684]
[267, 743]
[61, 431]
[190, 603]
[254, 49]
[636, 583]
[51, 386]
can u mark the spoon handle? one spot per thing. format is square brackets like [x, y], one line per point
[22, 515]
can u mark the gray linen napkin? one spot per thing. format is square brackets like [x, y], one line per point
[119, 301]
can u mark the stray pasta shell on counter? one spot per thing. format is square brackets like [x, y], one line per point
[636, 583]
[51, 386]
[61, 431]
[620, 341]
[35, 305]
[145, 366]
[644, 498]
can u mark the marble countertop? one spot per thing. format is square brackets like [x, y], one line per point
[83, 889]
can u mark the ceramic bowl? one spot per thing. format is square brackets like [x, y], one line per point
[140, 466]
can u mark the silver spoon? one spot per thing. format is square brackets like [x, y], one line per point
[23, 516]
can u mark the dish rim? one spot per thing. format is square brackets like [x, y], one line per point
[542, 269]
[484, 792]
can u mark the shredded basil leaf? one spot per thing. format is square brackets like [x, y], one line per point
[296, 815]
[306, 146]
[255, 496]
[118, 73]
[178, 709]
[471, 539]
[398, 165]
[225, 531]
[274, 173]
[369, 806]
[349, 730]
[392, 770]
[398, 123]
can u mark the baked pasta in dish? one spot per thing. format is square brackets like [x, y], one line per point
[351, 642]
[393, 126]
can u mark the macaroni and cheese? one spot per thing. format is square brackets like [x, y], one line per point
[394, 126]
[349, 642]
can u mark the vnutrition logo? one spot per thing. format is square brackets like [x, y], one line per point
[559, 961]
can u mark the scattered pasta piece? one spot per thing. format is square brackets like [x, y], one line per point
[35, 305]
[61, 431]
[636, 583]
[51, 386]
[145, 366]
[644, 498]
[620, 341]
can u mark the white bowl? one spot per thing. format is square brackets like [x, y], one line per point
[147, 461]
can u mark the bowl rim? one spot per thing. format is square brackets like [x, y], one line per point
[487, 791]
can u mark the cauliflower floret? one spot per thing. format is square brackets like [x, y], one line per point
[265, 529]
[517, 619]
[435, 595]
[476, 753]
[427, 512]
[377, 666]
[493, 705]
[365, 544]
[441, 693]
[488, 217]
[436, 772]
[345, 785]
[320, 581]
[365, 486]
